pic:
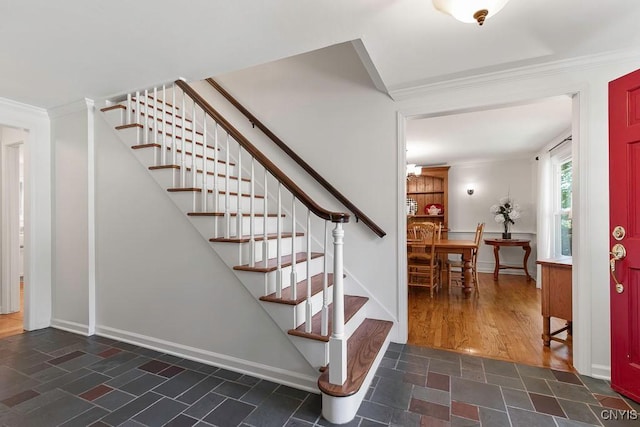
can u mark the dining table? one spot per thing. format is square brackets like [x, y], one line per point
[446, 247]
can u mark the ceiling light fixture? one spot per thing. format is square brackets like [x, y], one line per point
[470, 11]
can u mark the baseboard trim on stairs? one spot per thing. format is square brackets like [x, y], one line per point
[270, 373]
[73, 327]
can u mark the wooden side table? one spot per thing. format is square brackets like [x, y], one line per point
[556, 296]
[498, 243]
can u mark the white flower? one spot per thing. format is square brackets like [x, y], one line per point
[494, 209]
[515, 214]
[505, 200]
[499, 218]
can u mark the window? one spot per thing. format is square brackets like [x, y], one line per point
[562, 199]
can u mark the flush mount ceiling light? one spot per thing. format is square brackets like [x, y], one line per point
[470, 10]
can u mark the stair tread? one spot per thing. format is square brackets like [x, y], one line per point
[257, 238]
[199, 190]
[362, 348]
[272, 264]
[113, 107]
[351, 306]
[271, 215]
[317, 284]
[220, 175]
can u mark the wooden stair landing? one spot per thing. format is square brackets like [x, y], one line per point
[351, 306]
[362, 349]
[317, 284]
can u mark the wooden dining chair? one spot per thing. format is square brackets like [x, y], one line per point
[455, 268]
[423, 269]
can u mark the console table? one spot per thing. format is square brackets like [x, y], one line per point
[498, 243]
[556, 296]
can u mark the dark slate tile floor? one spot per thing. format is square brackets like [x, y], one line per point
[54, 378]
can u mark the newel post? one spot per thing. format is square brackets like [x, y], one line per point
[337, 342]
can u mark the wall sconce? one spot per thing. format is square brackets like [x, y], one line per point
[470, 190]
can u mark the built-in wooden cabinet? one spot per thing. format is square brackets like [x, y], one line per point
[428, 188]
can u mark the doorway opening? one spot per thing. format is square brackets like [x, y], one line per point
[12, 182]
[492, 153]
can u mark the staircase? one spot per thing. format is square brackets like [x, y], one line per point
[265, 228]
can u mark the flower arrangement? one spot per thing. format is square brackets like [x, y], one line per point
[506, 212]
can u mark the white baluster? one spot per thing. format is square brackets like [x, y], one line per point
[174, 144]
[294, 276]
[129, 114]
[227, 203]
[137, 107]
[216, 186]
[265, 241]
[325, 285]
[252, 215]
[194, 170]
[239, 204]
[183, 162]
[279, 244]
[309, 307]
[337, 342]
[164, 125]
[205, 189]
[146, 117]
[153, 119]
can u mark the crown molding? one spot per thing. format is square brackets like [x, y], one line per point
[71, 108]
[22, 107]
[517, 73]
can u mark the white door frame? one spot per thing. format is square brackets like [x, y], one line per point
[37, 208]
[10, 226]
[582, 328]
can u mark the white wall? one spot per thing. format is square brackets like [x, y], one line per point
[324, 105]
[70, 298]
[493, 180]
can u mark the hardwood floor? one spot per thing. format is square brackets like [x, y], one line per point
[501, 321]
[11, 324]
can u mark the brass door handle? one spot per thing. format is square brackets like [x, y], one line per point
[618, 252]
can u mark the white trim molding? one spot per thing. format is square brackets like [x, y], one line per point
[73, 327]
[280, 376]
[37, 208]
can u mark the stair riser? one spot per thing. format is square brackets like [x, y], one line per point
[208, 225]
[190, 201]
[243, 250]
[170, 178]
[289, 316]
[314, 350]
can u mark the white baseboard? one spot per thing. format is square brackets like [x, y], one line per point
[602, 372]
[277, 375]
[73, 327]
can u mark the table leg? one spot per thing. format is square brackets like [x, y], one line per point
[496, 254]
[468, 272]
[546, 330]
[527, 252]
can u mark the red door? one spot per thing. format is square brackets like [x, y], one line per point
[624, 194]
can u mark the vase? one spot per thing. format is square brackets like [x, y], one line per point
[506, 236]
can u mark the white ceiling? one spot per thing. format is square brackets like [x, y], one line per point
[56, 52]
[495, 134]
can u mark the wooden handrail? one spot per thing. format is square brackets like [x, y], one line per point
[338, 217]
[360, 216]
